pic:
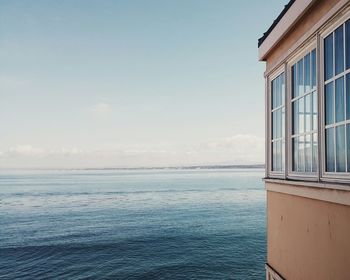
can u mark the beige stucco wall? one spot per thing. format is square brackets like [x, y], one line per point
[308, 239]
[311, 17]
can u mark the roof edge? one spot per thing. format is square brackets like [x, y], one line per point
[275, 22]
[285, 21]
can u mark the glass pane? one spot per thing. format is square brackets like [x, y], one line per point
[273, 98]
[273, 155]
[307, 74]
[301, 120]
[348, 96]
[329, 103]
[308, 107]
[313, 69]
[340, 148]
[339, 100]
[294, 81]
[328, 57]
[283, 154]
[301, 155]
[278, 124]
[347, 44]
[339, 50]
[348, 144]
[282, 122]
[278, 93]
[273, 125]
[295, 154]
[278, 155]
[277, 116]
[314, 152]
[282, 89]
[308, 153]
[300, 66]
[314, 111]
[295, 119]
[330, 150]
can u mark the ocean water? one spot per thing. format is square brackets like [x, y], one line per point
[132, 224]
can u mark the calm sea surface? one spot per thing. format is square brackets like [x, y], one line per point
[152, 224]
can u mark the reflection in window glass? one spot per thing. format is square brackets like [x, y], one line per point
[277, 123]
[301, 154]
[308, 108]
[307, 76]
[313, 69]
[339, 50]
[314, 111]
[348, 145]
[278, 155]
[314, 152]
[339, 100]
[328, 57]
[295, 153]
[329, 103]
[295, 120]
[301, 115]
[347, 44]
[282, 122]
[340, 148]
[273, 155]
[308, 153]
[294, 81]
[348, 96]
[304, 114]
[300, 70]
[330, 150]
[278, 119]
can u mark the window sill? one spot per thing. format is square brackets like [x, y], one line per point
[324, 191]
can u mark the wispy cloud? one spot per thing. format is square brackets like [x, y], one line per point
[23, 150]
[241, 148]
[237, 149]
[101, 108]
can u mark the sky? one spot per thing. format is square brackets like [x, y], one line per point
[133, 83]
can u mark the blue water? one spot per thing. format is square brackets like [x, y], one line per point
[151, 224]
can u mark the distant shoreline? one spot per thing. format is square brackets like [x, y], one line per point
[191, 167]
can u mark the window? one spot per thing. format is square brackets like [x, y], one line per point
[304, 114]
[277, 124]
[337, 99]
[316, 141]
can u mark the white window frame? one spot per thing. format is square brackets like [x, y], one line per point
[311, 176]
[341, 177]
[269, 79]
[316, 41]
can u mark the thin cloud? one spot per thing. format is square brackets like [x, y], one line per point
[101, 108]
[241, 148]
[237, 149]
[23, 150]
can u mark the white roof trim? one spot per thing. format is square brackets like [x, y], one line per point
[283, 26]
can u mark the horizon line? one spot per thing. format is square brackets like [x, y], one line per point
[208, 166]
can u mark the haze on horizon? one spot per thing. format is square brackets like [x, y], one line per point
[131, 83]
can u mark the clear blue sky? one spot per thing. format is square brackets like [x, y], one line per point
[132, 83]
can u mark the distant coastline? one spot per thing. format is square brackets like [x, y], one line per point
[189, 167]
[240, 166]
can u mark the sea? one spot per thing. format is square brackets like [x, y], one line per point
[132, 224]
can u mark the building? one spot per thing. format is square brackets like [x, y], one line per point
[307, 55]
